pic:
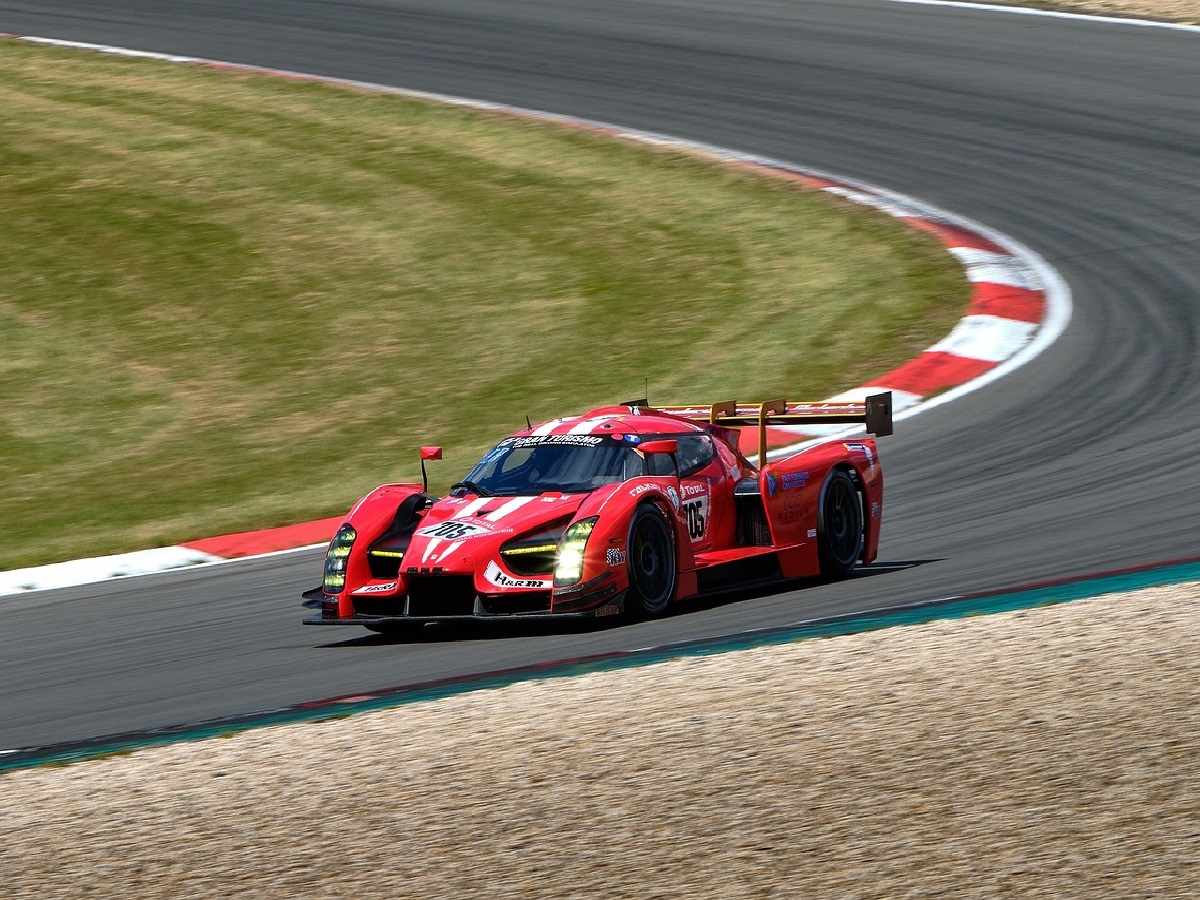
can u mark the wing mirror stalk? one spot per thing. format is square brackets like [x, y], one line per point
[428, 453]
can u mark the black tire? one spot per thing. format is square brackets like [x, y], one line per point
[839, 525]
[652, 568]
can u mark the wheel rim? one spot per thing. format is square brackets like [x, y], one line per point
[843, 524]
[650, 562]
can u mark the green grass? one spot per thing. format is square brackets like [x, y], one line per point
[233, 301]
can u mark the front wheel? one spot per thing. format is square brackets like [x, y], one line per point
[651, 563]
[839, 525]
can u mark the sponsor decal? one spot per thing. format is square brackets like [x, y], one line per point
[793, 480]
[495, 576]
[377, 588]
[812, 532]
[638, 489]
[454, 530]
[856, 447]
[693, 489]
[614, 557]
[630, 438]
[579, 440]
[793, 509]
[874, 509]
[772, 484]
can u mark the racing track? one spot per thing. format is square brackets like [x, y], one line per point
[1077, 138]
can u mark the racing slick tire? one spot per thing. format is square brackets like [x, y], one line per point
[652, 568]
[839, 525]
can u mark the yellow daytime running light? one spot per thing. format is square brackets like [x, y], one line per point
[536, 548]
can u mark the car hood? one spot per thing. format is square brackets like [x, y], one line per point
[457, 531]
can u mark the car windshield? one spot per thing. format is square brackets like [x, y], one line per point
[566, 463]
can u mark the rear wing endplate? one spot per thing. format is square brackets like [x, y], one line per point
[874, 412]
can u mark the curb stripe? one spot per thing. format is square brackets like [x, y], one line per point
[989, 267]
[100, 568]
[952, 235]
[1001, 300]
[988, 338]
[256, 543]
[932, 372]
[1056, 14]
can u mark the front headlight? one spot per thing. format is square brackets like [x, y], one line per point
[569, 567]
[335, 559]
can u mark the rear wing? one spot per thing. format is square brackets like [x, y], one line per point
[874, 412]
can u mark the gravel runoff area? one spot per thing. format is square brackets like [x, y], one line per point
[1053, 752]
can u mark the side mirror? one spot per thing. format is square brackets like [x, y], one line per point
[666, 446]
[428, 453]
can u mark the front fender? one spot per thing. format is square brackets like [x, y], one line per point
[791, 490]
[370, 518]
[614, 506]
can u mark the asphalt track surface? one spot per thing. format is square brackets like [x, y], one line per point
[1079, 139]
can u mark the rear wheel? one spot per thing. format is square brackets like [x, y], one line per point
[651, 563]
[839, 525]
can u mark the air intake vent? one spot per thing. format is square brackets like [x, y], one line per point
[384, 563]
[535, 561]
[515, 603]
[379, 606]
[441, 595]
[752, 529]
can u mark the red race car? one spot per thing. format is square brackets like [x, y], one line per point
[625, 509]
